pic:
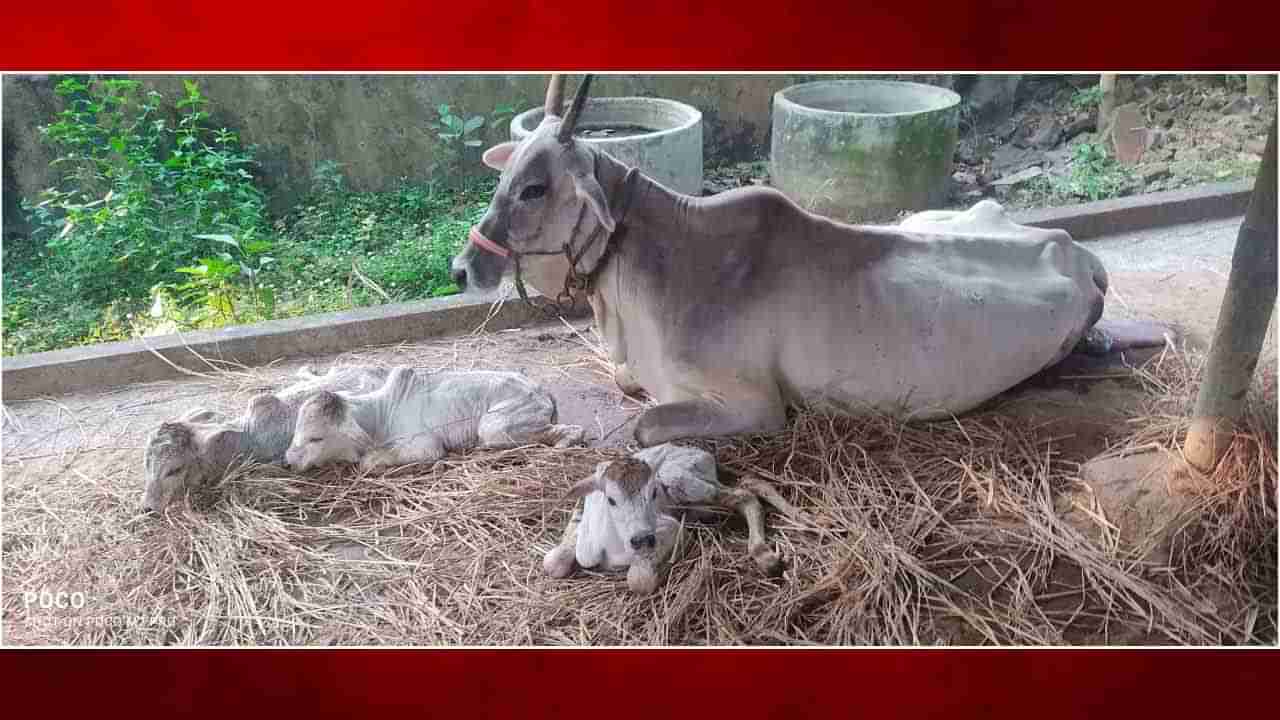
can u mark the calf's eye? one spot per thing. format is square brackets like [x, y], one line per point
[314, 440]
[533, 192]
[611, 502]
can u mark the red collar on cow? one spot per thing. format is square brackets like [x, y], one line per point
[575, 280]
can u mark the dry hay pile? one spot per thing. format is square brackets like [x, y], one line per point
[938, 533]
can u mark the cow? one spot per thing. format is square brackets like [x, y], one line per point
[628, 517]
[202, 445]
[727, 309]
[418, 417]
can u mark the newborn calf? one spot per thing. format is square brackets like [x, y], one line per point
[419, 416]
[202, 445]
[626, 520]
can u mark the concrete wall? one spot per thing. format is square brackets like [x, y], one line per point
[376, 126]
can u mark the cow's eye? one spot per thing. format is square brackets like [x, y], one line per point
[611, 502]
[533, 192]
[314, 440]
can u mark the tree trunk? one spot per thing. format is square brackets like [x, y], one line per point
[1242, 323]
[1107, 106]
[1259, 86]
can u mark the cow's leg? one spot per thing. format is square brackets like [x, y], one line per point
[748, 411]
[626, 381]
[746, 502]
[560, 561]
[645, 574]
[1111, 335]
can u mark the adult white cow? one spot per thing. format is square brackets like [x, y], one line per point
[727, 308]
[419, 416]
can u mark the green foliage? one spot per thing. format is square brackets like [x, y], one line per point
[461, 140]
[378, 247]
[143, 188]
[1088, 98]
[156, 225]
[214, 289]
[1095, 175]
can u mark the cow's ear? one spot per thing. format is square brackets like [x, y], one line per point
[588, 188]
[498, 156]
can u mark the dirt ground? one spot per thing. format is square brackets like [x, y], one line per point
[70, 457]
[1201, 129]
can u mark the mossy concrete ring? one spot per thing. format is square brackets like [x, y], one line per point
[863, 150]
[663, 138]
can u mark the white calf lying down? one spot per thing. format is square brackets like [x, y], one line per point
[203, 444]
[627, 518]
[419, 416]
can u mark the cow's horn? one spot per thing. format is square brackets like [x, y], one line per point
[571, 119]
[554, 104]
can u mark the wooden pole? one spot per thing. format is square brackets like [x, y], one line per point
[1106, 106]
[1242, 323]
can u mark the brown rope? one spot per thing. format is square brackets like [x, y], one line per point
[566, 301]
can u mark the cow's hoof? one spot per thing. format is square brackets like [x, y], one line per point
[626, 382]
[642, 578]
[559, 561]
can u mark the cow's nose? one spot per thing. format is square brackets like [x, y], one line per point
[642, 541]
[459, 276]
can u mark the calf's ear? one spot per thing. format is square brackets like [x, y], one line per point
[589, 484]
[499, 155]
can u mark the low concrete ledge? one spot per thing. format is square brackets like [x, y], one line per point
[119, 363]
[1140, 212]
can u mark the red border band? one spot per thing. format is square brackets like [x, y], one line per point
[653, 35]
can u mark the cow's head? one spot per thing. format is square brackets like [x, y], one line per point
[631, 493]
[548, 194]
[325, 433]
[182, 455]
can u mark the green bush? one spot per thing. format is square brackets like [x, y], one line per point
[143, 190]
[157, 224]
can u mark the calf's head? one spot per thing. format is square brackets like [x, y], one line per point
[325, 433]
[632, 494]
[548, 196]
[183, 455]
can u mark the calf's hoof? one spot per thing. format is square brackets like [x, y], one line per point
[559, 562]
[642, 578]
[769, 562]
[570, 436]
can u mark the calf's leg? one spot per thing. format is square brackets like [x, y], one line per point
[424, 448]
[515, 424]
[645, 574]
[745, 502]
[560, 561]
